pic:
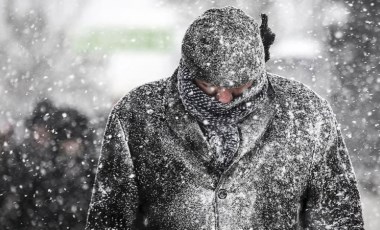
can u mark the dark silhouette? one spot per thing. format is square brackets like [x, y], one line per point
[52, 172]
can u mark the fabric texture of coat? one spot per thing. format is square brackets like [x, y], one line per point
[292, 170]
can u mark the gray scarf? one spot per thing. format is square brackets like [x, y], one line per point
[219, 121]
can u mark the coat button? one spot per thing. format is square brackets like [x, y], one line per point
[222, 194]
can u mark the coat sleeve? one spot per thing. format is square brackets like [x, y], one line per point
[114, 199]
[333, 200]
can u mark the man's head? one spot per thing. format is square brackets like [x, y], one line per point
[224, 51]
[224, 47]
[41, 125]
[73, 133]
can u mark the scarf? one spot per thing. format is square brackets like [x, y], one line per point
[219, 121]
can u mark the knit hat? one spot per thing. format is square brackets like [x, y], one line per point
[42, 115]
[224, 47]
[71, 124]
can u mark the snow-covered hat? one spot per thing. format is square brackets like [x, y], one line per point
[224, 47]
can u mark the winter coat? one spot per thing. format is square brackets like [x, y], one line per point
[292, 169]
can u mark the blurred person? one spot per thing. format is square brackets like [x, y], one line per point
[16, 191]
[224, 144]
[74, 169]
[56, 171]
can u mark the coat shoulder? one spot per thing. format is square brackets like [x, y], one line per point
[295, 95]
[297, 101]
[293, 90]
[148, 98]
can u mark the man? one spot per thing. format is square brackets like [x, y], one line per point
[48, 177]
[223, 144]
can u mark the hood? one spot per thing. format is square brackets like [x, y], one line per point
[223, 47]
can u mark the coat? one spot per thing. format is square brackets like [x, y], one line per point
[292, 169]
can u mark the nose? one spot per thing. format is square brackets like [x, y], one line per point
[224, 96]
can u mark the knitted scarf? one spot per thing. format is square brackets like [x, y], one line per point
[219, 121]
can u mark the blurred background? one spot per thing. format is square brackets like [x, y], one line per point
[63, 64]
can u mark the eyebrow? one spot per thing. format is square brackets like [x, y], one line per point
[212, 85]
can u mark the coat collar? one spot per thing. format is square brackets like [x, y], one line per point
[253, 127]
[186, 127]
[182, 123]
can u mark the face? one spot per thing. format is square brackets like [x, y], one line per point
[222, 94]
[41, 135]
[72, 147]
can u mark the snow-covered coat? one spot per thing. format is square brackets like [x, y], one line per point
[292, 169]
